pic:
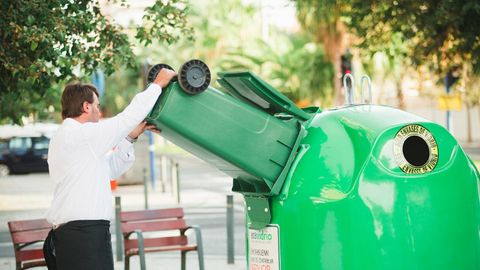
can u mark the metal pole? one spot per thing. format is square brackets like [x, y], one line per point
[151, 150]
[172, 163]
[161, 172]
[173, 184]
[447, 90]
[230, 240]
[176, 181]
[118, 232]
[145, 187]
[449, 121]
[164, 177]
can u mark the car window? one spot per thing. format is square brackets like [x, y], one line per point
[41, 143]
[20, 145]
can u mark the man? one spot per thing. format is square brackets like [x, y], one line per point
[81, 164]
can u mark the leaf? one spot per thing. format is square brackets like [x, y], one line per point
[33, 46]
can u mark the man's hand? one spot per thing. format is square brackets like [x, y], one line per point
[164, 77]
[141, 128]
[153, 129]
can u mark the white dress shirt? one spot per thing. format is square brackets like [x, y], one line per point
[81, 161]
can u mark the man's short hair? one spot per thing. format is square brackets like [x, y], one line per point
[73, 97]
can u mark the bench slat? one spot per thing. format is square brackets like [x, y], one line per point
[126, 216]
[29, 254]
[32, 264]
[156, 242]
[29, 236]
[168, 248]
[27, 225]
[154, 226]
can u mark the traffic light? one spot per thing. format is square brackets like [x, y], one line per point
[452, 77]
[346, 63]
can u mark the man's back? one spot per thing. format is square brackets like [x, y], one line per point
[80, 176]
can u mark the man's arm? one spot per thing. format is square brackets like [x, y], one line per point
[121, 159]
[104, 135]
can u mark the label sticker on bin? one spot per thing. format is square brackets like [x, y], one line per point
[263, 251]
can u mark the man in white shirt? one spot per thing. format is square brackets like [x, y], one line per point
[81, 165]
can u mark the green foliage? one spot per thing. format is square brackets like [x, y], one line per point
[324, 20]
[165, 21]
[321, 17]
[428, 35]
[120, 88]
[293, 65]
[219, 26]
[46, 42]
[439, 34]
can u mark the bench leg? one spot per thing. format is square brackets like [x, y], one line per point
[141, 249]
[200, 258]
[142, 261]
[198, 236]
[127, 262]
[184, 260]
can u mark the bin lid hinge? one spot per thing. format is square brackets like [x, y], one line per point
[258, 211]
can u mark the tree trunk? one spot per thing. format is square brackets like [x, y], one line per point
[381, 92]
[337, 82]
[332, 38]
[400, 96]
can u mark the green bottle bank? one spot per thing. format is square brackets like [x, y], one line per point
[359, 187]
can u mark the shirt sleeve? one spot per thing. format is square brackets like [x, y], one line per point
[102, 136]
[121, 159]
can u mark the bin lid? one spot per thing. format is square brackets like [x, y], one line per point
[250, 88]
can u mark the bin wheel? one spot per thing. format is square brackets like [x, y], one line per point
[194, 77]
[152, 73]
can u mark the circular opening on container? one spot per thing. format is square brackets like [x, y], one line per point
[416, 151]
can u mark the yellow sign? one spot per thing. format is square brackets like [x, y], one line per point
[415, 149]
[450, 102]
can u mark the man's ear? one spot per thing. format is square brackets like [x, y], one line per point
[85, 107]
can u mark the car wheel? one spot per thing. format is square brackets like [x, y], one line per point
[4, 170]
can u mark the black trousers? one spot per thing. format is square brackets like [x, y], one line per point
[79, 245]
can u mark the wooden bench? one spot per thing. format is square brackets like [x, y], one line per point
[25, 233]
[162, 220]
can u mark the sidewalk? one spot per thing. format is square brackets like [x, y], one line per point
[166, 261]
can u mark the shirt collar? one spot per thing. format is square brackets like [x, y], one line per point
[70, 121]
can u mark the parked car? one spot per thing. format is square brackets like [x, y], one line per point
[23, 155]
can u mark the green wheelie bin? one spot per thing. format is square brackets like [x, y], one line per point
[237, 131]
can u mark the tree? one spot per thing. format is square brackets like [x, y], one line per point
[49, 41]
[324, 20]
[394, 65]
[219, 26]
[291, 64]
[440, 34]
